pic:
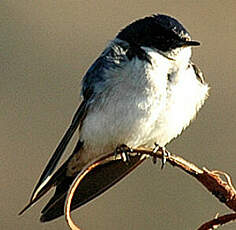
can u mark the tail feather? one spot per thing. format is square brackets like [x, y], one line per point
[95, 183]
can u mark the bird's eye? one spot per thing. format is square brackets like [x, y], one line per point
[188, 66]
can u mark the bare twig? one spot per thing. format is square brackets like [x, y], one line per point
[223, 190]
[218, 221]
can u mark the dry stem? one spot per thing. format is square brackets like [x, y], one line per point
[221, 189]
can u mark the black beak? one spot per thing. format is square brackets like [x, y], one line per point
[186, 43]
[191, 43]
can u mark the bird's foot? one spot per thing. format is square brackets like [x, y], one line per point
[164, 152]
[123, 150]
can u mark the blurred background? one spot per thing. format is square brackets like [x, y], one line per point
[45, 49]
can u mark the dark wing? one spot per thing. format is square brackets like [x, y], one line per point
[92, 81]
[93, 84]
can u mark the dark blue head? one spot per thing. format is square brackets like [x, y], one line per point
[158, 31]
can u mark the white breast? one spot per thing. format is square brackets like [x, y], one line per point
[185, 95]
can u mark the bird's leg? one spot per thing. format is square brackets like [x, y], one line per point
[124, 151]
[156, 148]
[164, 152]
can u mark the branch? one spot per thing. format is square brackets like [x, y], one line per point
[218, 221]
[223, 190]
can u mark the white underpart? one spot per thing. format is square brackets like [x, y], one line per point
[141, 106]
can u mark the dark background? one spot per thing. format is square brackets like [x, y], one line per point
[45, 49]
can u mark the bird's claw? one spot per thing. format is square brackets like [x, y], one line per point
[123, 150]
[165, 154]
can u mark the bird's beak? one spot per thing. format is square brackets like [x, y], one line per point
[191, 43]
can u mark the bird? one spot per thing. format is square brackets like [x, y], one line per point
[142, 90]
